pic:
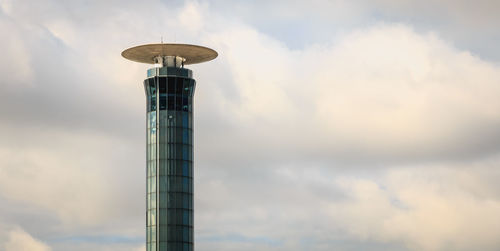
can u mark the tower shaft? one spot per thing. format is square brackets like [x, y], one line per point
[169, 138]
[169, 159]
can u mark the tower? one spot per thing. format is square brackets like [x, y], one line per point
[169, 91]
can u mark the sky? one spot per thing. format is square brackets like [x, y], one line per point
[322, 125]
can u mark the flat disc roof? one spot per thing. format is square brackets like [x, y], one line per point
[192, 53]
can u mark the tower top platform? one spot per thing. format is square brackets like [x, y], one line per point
[156, 53]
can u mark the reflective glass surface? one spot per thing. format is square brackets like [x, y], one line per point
[169, 164]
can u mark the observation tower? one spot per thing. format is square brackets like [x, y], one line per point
[169, 91]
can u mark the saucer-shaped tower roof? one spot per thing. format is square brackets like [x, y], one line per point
[148, 53]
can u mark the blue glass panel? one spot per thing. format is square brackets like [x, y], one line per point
[153, 200]
[185, 184]
[153, 234]
[162, 85]
[185, 120]
[170, 215]
[171, 85]
[163, 184]
[163, 168]
[185, 235]
[186, 86]
[149, 185]
[152, 86]
[152, 119]
[185, 217]
[153, 219]
[163, 151]
[163, 220]
[163, 245]
[152, 103]
[178, 103]
[148, 104]
[163, 101]
[185, 168]
[185, 103]
[185, 136]
[185, 152]
[185, 203]
[153, 154]
[153, 183]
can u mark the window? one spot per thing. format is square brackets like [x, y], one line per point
[185, 168]
[179, 86]
[185, 154]
[162, 84]
[152, 119]
[171, 102]
[163, 221]
[171, 85]
[185, 235]
[185, 217]
[163, 204]
[152, 201]
[163, 184]
[178, 103]
[163, 245]
[152, 168]
[185, 184]
[152, 183]
[185, 136]
[185, 120]
[153, 234]
[152, 103]
[163, 101]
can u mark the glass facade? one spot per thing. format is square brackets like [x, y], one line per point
[169, 159]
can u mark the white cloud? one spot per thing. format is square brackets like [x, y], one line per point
[74, 176]
[385, 92]
[19, 240]
[431, 208]
[15, 66]
[6, 5]
[191, 17]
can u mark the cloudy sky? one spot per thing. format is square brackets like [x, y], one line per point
[322, 125]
